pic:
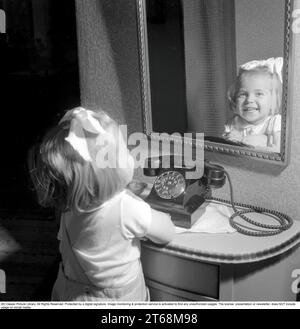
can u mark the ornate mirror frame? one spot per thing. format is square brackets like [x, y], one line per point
[269, 157]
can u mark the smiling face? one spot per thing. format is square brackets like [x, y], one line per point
[253, 99]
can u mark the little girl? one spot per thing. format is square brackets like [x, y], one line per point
[82, 168]
[255, 99]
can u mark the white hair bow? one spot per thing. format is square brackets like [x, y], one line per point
[274, 64]
[81, 119]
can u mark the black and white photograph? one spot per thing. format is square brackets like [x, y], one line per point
[150, 155]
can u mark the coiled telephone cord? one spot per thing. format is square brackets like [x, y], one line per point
[259, 229]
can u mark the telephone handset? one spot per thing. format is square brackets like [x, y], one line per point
[173, 193]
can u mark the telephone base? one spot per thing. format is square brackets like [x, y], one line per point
[181, 216]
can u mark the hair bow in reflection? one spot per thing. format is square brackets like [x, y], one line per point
[274, 65]
[81, 119]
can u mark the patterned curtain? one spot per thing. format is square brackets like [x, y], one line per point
[210, 62]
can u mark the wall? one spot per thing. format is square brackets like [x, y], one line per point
[108, 58]
[109, 68]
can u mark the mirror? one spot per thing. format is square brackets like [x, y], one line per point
[218, 67]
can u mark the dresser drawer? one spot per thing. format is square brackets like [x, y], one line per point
[160, 292]
[180, 273]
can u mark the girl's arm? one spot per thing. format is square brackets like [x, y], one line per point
[162, 229]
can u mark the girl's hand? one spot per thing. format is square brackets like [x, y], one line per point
[234, 136]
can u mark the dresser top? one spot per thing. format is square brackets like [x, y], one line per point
[229, 247]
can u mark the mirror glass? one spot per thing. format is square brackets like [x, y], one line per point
[217, 67]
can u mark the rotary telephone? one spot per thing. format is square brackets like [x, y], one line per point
[173, 193]
[181, 198]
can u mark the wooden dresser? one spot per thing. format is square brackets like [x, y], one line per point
[223, 267]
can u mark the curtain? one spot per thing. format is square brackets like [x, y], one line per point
[210, 62]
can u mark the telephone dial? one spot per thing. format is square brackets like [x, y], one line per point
[173, 193]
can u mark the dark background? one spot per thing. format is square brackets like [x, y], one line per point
[39, 81]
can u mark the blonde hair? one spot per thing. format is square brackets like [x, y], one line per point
[64, 180]
[276, 87]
